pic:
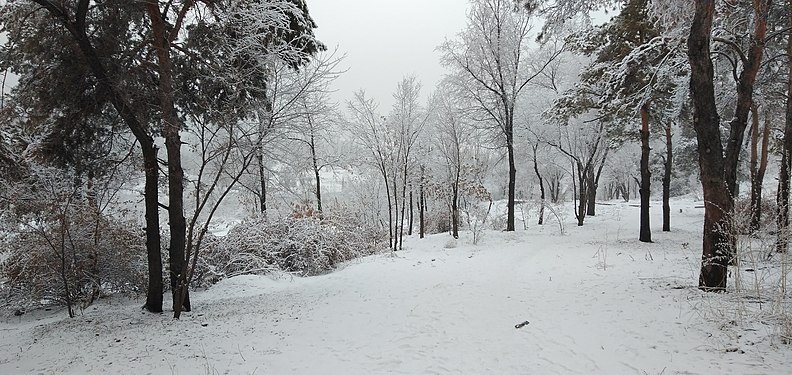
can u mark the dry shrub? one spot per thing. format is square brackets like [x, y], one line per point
[302, 245]
[71, 260]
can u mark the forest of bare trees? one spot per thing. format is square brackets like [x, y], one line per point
[546, 109]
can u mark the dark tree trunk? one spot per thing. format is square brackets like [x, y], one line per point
[753, 167]
[316, 173]
[512, 178]
[745, 87]
[594, 182]
[719, 172]
[391, 240]
[782, 199]
[149, 150]
[262, 184]
[400, 219]
[171, 129]
[264, 125]
[591, 193]
[669, 158]
[153, 238]
[580, 214]
[393, 210]
[412, 214]
[403, 203]
[422, 205]
[717, 202]
[645, 233]
[455, 197]
[541, 186]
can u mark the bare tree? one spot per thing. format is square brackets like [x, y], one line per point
[492, 71]
[372, 134]
[452, 136]
[408, 119]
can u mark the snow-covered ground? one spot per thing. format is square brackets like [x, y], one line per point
[597, 302]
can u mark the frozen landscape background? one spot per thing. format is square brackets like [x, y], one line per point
[596, 301]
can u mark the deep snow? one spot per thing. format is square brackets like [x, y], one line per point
[597, 302]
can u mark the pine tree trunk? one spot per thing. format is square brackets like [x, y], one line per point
[645, 233]
[171, 129]
[717, 201]
[153, 237]
[669, 158]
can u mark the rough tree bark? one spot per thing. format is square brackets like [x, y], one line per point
[669, 160]
[718, 171]
[171, 129]
[645, 232]
[717, 202]
[591, 194]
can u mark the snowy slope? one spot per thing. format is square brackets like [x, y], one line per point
[597, 302]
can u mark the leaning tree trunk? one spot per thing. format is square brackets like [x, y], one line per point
[645, 233]
[669, 163]
[594, 182]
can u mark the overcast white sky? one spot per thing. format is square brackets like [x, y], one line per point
[386, 40]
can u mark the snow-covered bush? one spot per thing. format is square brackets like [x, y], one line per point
[304, 246]
[59, 248]
[71, 260]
